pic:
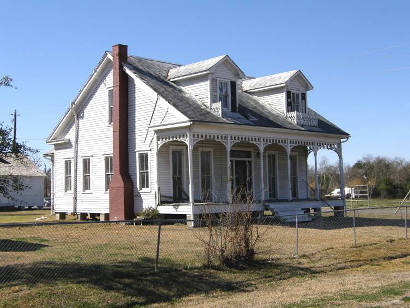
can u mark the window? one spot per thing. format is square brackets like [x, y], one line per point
[294, 175]
[143, 171]
[272, 171]
[206, 174]
[296, 101]
[223, 93]
[67, 175]
[177, 174]
[110, 105]
[86, 174]
[108, 172]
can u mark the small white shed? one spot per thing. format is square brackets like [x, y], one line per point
[31, 177]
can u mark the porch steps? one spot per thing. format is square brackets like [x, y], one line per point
[287, 213]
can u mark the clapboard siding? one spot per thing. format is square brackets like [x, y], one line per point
[31, 195]
[146, 109]
[297, 84]
[95, 142]
[198, 87]
[63, 201]
[274, 98]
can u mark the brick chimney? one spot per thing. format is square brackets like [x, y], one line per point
[121, 186]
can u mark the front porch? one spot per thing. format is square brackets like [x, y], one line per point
[210, 207]
[197, 170]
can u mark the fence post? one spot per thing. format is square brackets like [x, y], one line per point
[297, 237]
[354, 227]
[158, 242]
[405, 222]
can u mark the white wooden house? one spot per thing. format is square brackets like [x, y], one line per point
[145, 133]
[28, 176]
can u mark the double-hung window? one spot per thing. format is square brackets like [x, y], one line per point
[67, 175]
[206, 174]
[143, 172]
[86, 174]
[110, 105]
[272, 175]
[226, 93]
[108, 171]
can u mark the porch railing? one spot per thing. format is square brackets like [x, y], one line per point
[303, 119]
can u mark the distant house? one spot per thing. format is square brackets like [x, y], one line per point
[146, 133]
[31, 178]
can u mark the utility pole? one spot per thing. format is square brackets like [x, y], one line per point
[14, 131]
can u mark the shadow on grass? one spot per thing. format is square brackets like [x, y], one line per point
[7, 245]
[134, 279]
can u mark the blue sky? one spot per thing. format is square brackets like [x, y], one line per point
[355, 53]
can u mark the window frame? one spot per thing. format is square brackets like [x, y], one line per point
[89, 190]
[302, 108]
[70, 176]
[218, 81]
[276, 154]
[206, 149]
[145, 189]
[110, 94]
[107, 173]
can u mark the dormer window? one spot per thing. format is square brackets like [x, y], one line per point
[296, 101]
[227, 94]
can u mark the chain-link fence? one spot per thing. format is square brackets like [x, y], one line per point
[95, 250]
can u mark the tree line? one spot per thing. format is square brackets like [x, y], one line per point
[385, 177]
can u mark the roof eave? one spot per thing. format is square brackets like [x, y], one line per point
[260, 89]
[190, 76]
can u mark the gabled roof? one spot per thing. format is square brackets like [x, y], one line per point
[199, 67]
[18, 166]
[155, 74]
[273, 80]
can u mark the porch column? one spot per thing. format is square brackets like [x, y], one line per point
[288, 149]
[262, 178]
[190, 170]
[228, 170]
[158, 201]
[341, 172]
[316, 176]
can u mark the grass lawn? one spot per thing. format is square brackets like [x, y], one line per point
[111, 265]
[374, 202]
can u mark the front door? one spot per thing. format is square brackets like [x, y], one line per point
[177, 175]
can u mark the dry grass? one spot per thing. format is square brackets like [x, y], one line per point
[98, 265]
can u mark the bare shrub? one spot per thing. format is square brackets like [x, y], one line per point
[230, 238]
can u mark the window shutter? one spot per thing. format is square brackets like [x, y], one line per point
[303, 102]
[289, 100]
[233, 97]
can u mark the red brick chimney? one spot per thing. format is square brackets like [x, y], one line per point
[121, 186]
